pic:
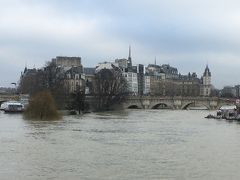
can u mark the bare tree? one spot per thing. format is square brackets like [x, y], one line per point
[32, 81]
[49, 78]
[54, 80]
[77, 101]
[109, 87]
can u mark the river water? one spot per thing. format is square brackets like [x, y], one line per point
[126, 145]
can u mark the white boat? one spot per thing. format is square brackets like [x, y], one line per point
[12, 106]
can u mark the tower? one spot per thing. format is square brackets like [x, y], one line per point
[129, 58]
[206, 82]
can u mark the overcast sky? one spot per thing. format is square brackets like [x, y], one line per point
[186, 34]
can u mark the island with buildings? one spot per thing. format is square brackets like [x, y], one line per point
[70, 82]
[154, 79]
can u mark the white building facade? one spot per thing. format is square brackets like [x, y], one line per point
[132, 81]
[147, 85]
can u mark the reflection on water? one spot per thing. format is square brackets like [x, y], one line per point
[134, 144]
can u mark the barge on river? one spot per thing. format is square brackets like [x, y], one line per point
[226, 112]
[12, 107]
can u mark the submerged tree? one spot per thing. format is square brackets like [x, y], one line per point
[77, 101]
[42, 107]
[54, 80]
[110, 87]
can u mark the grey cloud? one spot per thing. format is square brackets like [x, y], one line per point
[183, 33]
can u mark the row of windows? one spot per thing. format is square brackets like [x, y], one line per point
[76, 76]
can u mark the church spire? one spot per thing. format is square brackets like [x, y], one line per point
[129, 54]
[129, 57]
[207, 71]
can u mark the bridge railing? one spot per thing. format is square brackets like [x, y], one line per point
[173, 98]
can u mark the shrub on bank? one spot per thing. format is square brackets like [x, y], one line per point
[42, 107]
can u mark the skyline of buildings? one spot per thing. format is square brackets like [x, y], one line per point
[150, 80]
[153, 79]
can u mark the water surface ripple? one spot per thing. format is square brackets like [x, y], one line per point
[134, 144]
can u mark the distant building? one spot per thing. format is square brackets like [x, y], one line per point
[29, 81]
[171, 72]
[132, 82]
[74, 79]
[206, 83]
[140, 70]
[65, 61]
[147, 85]
[229, 91]
[135, 81]
[188, 85]
[89, 78]
[71, 67]
[237, 87]
[105, 65]
[165, 81]
[123, 64]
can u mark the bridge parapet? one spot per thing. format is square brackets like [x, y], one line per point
[176, 102]
[8, 97]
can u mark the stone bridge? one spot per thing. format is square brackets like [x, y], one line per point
[156, 102]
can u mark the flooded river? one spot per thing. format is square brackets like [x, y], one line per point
[127, 145]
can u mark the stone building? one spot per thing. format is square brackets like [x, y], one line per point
[71, 67]
[132, 82]
[229, 91]
[206, 83]
[188, 85]
[165, 81]
[130, 72]
[65, 61]
[74, 79]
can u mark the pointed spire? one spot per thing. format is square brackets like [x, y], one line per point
[129, 57]
[207, 71]
[129, 54]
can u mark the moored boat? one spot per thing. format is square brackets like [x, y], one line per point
[226, 112]
[12, 107]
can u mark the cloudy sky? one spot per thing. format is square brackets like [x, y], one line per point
[186, 34]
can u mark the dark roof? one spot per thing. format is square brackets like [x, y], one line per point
[207, 71]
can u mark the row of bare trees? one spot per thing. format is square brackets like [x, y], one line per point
[109, 87]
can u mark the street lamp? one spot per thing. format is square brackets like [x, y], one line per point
[15, 87]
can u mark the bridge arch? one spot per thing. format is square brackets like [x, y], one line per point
[185, 106]
[161, 106]
[2, 101]
[133, 106]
